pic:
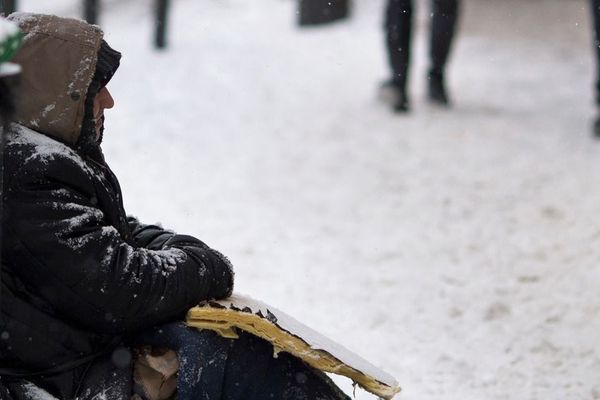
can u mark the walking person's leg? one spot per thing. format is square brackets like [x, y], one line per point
[443, 27]
[398, 27]
[595, 4]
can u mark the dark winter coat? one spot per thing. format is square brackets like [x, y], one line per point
[79, 278]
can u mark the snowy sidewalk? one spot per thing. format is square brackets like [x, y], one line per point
[459, 250]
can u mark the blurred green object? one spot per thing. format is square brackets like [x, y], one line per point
[10, 41]
[317, 12]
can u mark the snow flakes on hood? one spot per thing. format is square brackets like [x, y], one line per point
[48, 108]
[23, 18]
[83, 68]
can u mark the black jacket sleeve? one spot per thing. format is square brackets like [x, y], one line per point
[67, 253]
[151, 237]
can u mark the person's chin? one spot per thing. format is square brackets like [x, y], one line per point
[99, 134]
[100, 130]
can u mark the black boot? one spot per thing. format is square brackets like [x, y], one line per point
[437, 90]
[394, 95]
[398, 28]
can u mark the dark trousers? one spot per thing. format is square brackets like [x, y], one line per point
[398, 25]
[595, 4]
[214, 368]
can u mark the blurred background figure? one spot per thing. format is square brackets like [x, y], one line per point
[317, 12]
[596, 19]
[8, 6]
[398, 26]
[92, 10]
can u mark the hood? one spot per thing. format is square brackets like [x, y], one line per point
[58, 58]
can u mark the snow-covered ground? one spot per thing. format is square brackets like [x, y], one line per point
[458, 250]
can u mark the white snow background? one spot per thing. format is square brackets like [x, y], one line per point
[458, 250]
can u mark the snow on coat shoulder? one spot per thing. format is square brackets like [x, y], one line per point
[45, 149]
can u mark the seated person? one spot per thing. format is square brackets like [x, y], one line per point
[83, 285]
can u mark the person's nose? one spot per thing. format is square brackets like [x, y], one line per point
[107, 100]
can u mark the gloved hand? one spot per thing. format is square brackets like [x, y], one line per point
[219, 267]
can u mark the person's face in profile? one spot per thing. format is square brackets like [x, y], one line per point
[102, 101]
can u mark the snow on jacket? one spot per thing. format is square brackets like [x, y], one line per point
[79, 278]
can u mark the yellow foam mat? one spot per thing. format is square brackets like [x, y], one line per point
[223, 320]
